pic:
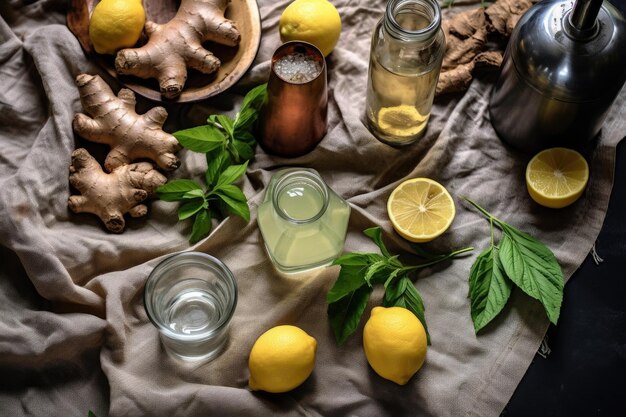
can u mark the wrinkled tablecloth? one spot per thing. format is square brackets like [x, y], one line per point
[74, 335]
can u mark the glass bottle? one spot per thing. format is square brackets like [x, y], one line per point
[405, 59]
[302, 221]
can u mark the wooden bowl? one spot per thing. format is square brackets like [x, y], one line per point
[235, 60]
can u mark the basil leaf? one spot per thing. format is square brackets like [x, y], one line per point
[245, 119]
[226, 122]
[374, 269]
[238, 204]
[201, 226]
[190, 208]
[195, 193]
[246, 137]
[231, 174]
[350, 279]
[201, 139]
[391, 277]
[345, 314]
[375, 233]
[176, 190]
[244, 150]
[402, 293]
[255, 98]
[489, 288]
[532, 267]
[357, 259]
[217, 162]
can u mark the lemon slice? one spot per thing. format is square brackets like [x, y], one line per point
[556, 177]
[420, 209]
[403, 120]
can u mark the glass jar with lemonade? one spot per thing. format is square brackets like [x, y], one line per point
[303, 222]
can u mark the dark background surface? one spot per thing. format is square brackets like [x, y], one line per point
[585, 373]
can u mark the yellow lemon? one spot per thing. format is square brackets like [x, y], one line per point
[281, 359]
[116, 24]
[556, 177]
[420, 209]
[312, 21]
[395, 343]
[403, 120]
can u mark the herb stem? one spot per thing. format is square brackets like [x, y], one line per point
[438, 259]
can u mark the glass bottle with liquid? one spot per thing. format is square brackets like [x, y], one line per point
[405, 59]
[303, 222]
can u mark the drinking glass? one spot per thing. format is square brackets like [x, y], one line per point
[190, 297]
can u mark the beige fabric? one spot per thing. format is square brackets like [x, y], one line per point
[73, 332]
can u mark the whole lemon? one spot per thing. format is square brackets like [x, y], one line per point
[281, 359]
[394, 341]
[116, 24]
[312, 21]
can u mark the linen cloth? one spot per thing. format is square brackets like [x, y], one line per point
[74, 335]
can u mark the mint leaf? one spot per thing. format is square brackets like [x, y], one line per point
[245, 119]
[375, 233]
[244, 150]
[217, 162]
[176, 190]
[402, 293]
[489, 288]
[533, 268]
[375, 269]
[345, 314]
[201, 226]
[201, 139]
[235, 200]
[231, 174]
[349, 280]
[255, 99]
[91, 414]
[190, 208]
[226, 122]
[195, 193]
[246, 137]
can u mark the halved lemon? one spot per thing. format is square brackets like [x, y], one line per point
[557, 177]
[403, 120]
[420, 209]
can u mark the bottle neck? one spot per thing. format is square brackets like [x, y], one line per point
[412, 20]
[300, 197]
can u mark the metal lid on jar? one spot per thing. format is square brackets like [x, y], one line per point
[573, 53]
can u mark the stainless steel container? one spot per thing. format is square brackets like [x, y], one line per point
[564, 65]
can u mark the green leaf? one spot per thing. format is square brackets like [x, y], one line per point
[245, 119]
[235, 201]
[246, 137]
[176, 190]
[345, 314]
[489, 288]
[201, 138]
[201, 226]
[196, 193]
[226, 122]
[374, 269]
[231, 174]
[255, 98]
[217, 162]
[190, 208]
[532, 267]
[402, 293]
[349, 280]
[375, 233]
[244, 150]
[91, 414]
[357, 259]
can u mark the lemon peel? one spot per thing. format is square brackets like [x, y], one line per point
[313, 21]
[116, 24]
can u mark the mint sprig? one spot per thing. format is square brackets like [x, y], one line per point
[519, 259]
[228, 145]
[359, 272]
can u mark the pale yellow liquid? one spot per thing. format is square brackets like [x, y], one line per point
[401, 87]
[293, 245]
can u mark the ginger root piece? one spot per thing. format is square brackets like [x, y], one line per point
[177, 44]
[110, 196]
[467, 41]
[114, 122]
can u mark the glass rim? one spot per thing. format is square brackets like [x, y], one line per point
[396, 30]
[309, 175]
[199, 258]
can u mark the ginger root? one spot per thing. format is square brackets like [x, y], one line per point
[468, 35]
[177, 44]
[110, 196]
[114, 122]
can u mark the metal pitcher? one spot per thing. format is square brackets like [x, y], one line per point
[563, 68]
